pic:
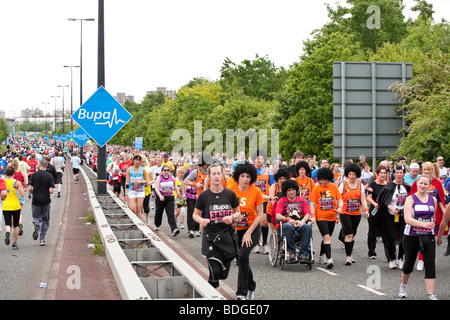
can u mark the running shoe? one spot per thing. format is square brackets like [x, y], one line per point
[400, 263]
[402, 291]
[392, 264]
[35, 233]
[20, 229]
[431, 296]
[15, 246]
[330, 263]
[175, 232]
[323, 259]
[348, 261]
[191, 234]
[250, 295]
[7, 241]
[42, 243]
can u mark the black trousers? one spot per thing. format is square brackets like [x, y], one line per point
[169, 205]
[245, 274]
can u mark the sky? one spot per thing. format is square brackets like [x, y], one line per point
[148, 44]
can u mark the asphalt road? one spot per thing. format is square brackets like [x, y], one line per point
[21, 270]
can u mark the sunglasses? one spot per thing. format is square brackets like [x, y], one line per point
[166, 170]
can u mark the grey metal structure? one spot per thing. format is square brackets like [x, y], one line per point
[364, 116]
[144, 267]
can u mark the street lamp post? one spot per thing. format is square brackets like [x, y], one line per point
[63, 86]
[55, 109]
[71, 95]
[46, 103]
[81, 54]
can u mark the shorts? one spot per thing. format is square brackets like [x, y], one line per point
[75, 170]
[180, 202]
[135, 194]
[59, 176]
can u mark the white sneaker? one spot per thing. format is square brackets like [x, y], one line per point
[400, 263]
[197, 233]
[256, 250]
[392, 264]
[323, 259]
[266, 249]
[432, 296]
[402, 291]
[330, 263]
[419, 265]
[348, 261]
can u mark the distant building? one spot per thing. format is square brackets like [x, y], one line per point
[121, 98]
[164, 91]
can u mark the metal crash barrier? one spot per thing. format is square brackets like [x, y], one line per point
[143, 266]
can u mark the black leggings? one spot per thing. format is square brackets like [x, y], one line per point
[326, 228]
[218, 271]
[168, 205]
[11, 215]
[245, 274]
[411, 246]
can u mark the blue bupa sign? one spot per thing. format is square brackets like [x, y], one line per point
[80, 137]
[101, 116]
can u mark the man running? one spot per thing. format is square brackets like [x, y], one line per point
[75, 166]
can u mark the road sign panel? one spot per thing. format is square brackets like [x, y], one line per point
[63, 138]
[55, 136]
[101, 116]
[80, 137]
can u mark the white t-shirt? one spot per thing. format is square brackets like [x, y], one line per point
[75, 162]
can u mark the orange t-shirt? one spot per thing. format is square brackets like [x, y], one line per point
[305, 186]
[351, 198]
[248, 201]
[325, 199]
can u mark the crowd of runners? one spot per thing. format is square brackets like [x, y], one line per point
[241, 200]
[404, 202]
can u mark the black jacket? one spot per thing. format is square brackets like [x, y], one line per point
[392, 231]
[220, 244]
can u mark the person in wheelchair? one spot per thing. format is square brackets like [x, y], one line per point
[294, 213]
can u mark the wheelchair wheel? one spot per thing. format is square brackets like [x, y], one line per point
[283, 253]
[274, 247]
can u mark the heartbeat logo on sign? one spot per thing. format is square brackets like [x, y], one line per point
[101, 116]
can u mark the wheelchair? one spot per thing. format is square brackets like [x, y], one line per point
[278, 253]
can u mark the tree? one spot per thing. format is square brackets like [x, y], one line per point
[258, 78]
[305, 114]
[371, 22]
[427, 110]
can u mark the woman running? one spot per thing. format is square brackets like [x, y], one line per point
[305, 183]
[354, 199]
[251, 207]
[136, 179]
[391, 208]
[420, 209]
[221, 207]
[165, 187]
[374, 190]
[11, 206]
[325, 203]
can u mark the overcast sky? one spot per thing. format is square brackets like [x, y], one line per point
[148, 43]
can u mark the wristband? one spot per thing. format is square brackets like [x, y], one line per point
[366, 210]
[288, 219]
